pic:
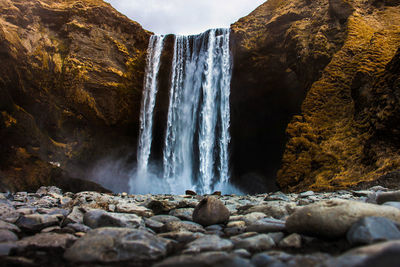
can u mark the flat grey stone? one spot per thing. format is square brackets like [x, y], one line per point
[371, 230]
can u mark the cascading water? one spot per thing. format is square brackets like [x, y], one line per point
[146, 114]
[195, 154]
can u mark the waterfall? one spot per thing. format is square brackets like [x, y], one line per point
[150, 89]
[195, 153]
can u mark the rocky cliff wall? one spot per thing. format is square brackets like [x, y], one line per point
[71, 75]
[328, 67]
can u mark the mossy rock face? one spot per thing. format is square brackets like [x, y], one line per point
[349, 116]
[319, 71]
[71, 83]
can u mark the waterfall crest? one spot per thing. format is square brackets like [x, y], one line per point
[196, 145]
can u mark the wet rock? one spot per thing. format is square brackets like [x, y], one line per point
[8, 213]
[9, 226]
[7, 236]
[184, 213]
[107, 245]
[383, 197]
[133, 209]
[210, 211]
[371, 230]
[333, 218]
[208, 243]
[266, 225]
[183, 226]
[36, 222]
[256, 243]
[291, 241]
[221, 259]
[101, 218]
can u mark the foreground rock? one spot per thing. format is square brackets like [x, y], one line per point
[107, 245]
[52, 228]
[210, 211]
[334, 218]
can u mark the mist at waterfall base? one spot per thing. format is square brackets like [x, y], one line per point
[196, 142]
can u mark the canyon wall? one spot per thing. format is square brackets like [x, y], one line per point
[330, 70]
[71, 77]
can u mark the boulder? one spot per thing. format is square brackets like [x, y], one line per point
[210, 211]
[333, 218]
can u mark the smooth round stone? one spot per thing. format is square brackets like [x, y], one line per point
[334, 218]
[210, 211]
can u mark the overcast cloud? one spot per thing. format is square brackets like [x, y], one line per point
[184, 16]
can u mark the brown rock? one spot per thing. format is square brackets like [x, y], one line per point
[334, 218]
[210, 211]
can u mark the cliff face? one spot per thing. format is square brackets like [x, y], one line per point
[71, 76]
[340, 58]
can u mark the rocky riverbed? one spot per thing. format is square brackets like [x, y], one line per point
[343, 228]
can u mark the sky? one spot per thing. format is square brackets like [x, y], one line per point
[184, 17]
